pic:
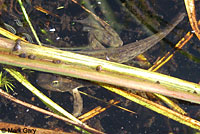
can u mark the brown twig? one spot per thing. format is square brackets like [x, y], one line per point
[171, 53]
[8, 96]
[190, 7]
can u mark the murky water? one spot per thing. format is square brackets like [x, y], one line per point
[132, 21]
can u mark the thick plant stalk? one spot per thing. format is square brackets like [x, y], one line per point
[86, 67]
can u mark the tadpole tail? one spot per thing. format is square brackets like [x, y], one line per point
[78, 102]
[127, 52]
[131, 50]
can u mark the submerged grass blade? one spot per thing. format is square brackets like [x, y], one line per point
[109, 66]
[41, 96]
[155, 107]
[17, 75]
[80, 66]
[29, 22]
[10, 35]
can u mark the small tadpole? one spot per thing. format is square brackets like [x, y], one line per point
[99, 68]
[32, 57]
[56, 61]
[22, 55]
[17, 45]
[158, 82]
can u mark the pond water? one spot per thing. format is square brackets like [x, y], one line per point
[132, 20]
